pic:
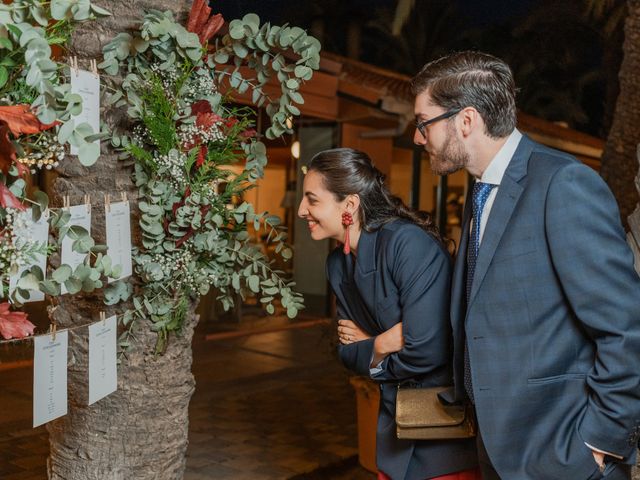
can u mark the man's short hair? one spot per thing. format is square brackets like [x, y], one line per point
[472, 79]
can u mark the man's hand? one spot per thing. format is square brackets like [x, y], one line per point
[599, 458]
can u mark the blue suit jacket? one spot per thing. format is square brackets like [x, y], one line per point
[553, 322]
[401, 274]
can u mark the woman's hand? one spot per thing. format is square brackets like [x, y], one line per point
[349, 332]
[387, 343]
[393, 339]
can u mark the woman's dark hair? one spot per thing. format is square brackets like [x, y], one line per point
[346, 171]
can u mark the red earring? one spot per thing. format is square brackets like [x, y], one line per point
[347, 221]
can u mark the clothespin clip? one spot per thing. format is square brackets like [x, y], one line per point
[87, 202]
[107, 202]
[73, 61]
[103, 318]
[123, 196]
[94, 67]
[216, 185]
[66, 201]
[52, 330]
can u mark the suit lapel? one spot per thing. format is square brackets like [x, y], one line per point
[505, 203]
[458, 301]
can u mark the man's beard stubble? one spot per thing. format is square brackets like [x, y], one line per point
[451, 157]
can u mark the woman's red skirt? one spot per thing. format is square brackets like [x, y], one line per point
[464, 475]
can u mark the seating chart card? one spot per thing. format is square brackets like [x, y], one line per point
[27, 231]
[103, 373]
[49, 377]
[118, 222]
[87, 85]
[80, 216]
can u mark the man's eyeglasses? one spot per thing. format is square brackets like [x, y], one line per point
[422, 126]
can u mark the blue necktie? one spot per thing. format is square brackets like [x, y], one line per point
[481, 192]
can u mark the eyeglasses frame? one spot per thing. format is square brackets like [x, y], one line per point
[421, 126]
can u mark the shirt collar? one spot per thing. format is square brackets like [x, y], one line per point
[498, 165]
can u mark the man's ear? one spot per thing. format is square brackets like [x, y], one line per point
[470, 121]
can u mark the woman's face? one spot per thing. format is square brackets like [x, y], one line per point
[320, 208]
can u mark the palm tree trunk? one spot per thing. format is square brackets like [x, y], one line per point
[140, 431]
[619, 166]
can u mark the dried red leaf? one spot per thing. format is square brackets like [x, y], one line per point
[202, 23]
[194, 15]
[14, 324]
[212, 27]
[202, 156]
[7, 150]
[207, 120]
[21, 120]
[201, 106]
[8, 199]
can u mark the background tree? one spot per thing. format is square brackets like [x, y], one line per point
[140, 431]
[619, 165]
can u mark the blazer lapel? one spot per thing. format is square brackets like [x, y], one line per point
[505, 203]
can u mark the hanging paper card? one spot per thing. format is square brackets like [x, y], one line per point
[118, 221]
[49, 378]
[103, 376]
[30, 236]
[87, 85]
[81, 217]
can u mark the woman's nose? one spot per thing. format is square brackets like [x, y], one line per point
[302, 209]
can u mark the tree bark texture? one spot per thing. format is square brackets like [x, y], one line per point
[141, 431]
[619, 166]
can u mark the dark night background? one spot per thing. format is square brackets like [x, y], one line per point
[565, 54]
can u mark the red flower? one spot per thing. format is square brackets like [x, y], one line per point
[8, 199]
[231, 121]
[14, 324]
[249, 133]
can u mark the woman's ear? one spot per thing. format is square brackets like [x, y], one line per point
[352, 204]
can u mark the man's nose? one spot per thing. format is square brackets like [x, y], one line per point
[418, 138]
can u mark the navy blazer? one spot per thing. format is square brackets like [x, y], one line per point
[401, 275]
[553, 322]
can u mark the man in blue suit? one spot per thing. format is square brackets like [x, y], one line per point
[545, 300]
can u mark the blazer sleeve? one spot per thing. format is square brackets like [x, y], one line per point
[355, 356]
[421, 271]
[595, 267]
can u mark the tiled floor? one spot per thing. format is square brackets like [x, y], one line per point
[280, 408]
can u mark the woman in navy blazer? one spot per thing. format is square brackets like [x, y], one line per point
[391, 279]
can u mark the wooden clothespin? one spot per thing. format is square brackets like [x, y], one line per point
[66, 201]
[123, 196]
[73, 62]
[87, 202]
[103, 318]
[94, 67]
[107, 202]
[52, 330]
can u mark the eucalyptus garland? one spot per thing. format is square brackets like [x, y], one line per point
[185, 136]
[36, 129]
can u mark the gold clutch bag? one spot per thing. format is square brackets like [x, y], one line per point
[421, 415]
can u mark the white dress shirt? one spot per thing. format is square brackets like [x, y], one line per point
[494, 173]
